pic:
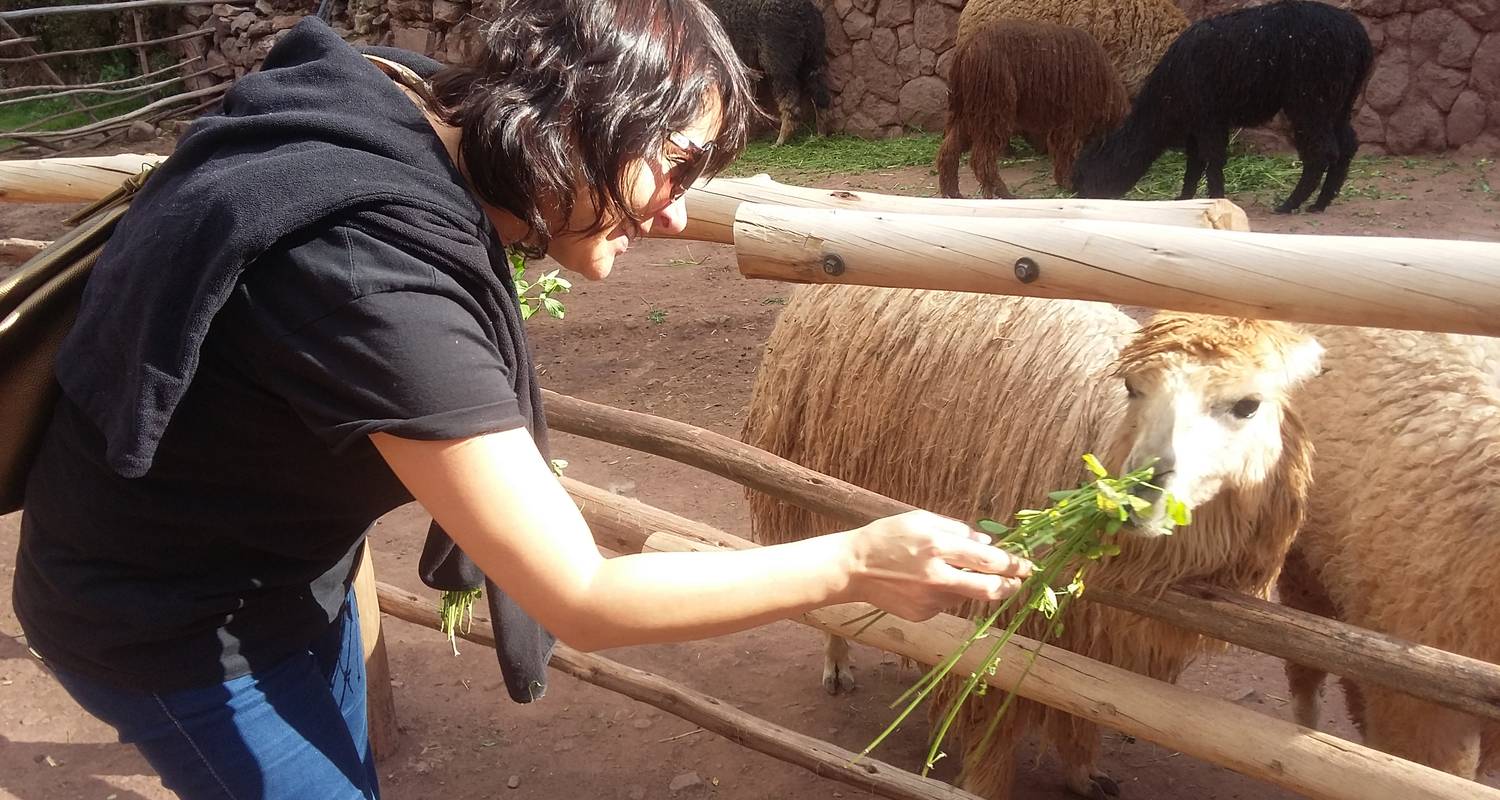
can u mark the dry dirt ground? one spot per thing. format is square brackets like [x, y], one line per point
[678, 332]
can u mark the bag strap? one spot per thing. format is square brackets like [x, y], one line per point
[122, 193]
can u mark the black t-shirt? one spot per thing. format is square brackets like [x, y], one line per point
[236, 547]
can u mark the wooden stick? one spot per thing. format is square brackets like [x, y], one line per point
[22, 40]
[1418, 284]
[1460, 682]
[91, 87]
[46, 68]
[711, 207]
[125, 90]
[1319, 765]
[380, 701]
[68, 180]
[124, 119]
[140, 37]
[50, 10]
[31, 124]
[819, 757]
[19, 251]
[105, 49]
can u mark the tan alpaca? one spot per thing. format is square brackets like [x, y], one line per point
[1403, 527]
[976, 405]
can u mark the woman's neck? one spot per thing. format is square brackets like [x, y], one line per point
[509, 226]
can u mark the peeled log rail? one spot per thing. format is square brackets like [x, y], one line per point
[18, 251]
[1315, 764]
[711, 207]
[819, 757]
[1456, 681]
[68, 180]
[1416, 284]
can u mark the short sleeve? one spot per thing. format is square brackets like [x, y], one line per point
[411, 357]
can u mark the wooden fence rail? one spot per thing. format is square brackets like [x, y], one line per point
[1315, 764]
[868, 775]
[1441, 285]
[105, 49]
[1460, 682]
[27, 13]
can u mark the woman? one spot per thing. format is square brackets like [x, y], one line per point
[305, 320]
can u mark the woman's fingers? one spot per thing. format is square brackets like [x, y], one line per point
[969, 554]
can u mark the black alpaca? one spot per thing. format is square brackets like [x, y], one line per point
[784, 41]
[1306, 59]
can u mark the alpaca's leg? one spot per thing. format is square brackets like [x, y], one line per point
[1194, 172]
[1064, 149]
[991, 773]
[983, 160]
[1318, 148]
[1297, 586]
[1306, 685]
[1213, 147]
[1418, 731]
[1077, 743]
[838, 669]
[955, 142]
[787, 106]
[1348, 143]
[786, 89]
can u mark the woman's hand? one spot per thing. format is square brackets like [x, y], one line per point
[917, 564]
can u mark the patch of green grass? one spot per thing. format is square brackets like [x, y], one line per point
[1248, 176]
[656, 316]
[60, 113]
[818, 156]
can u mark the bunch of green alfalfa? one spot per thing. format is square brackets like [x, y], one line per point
[1061, 541]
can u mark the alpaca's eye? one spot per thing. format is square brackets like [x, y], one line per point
[1246, 408]
[1131, 391]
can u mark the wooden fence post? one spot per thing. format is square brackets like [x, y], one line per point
[380, 700]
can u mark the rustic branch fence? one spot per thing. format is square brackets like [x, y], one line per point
[16, 50]
[1071, 249]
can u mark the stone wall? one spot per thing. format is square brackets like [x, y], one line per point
[1436, 82]
[244, 33]
[888, 63]
[1435, 85]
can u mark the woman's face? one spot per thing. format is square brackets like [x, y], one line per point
[650, 191]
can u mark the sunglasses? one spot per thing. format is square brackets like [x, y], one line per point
[690, 169]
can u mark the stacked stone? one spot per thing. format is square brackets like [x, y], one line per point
[244, 33]
[1436, 82]
[888, 63]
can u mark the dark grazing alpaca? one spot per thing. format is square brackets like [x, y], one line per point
[784, 41]
[1306, 59]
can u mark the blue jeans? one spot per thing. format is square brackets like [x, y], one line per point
[293, 730]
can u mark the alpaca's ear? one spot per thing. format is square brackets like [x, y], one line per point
[1304, 359]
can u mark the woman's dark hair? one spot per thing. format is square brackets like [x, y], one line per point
[558, 92]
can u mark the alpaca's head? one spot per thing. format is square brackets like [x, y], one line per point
[1207, 397]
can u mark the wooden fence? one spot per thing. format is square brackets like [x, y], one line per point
[105, 124]
[798, 243]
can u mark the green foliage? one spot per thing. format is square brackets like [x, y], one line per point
[1061, 540]
[537, 296]
[813, 157]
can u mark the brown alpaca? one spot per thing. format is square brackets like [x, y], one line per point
[1134, 33]
[975, 405]
[1401, 532]
[1051, 84]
